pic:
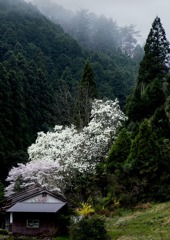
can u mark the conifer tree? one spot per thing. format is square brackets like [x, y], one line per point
[144, 153]
[155, 63]
[143, 164]
[119, 151]
[87, 91]
[88, 82]
[153, 70]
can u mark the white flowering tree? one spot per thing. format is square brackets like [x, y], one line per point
[57, 156]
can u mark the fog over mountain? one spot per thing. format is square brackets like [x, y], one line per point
[126, 12]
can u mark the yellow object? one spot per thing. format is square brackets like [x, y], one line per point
[85, 210]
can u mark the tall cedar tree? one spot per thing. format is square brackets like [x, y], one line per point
[153, 69]
[87, 91]
[143, 165]
[144, 152]
[119, 151]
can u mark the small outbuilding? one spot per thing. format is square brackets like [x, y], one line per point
[36, 211]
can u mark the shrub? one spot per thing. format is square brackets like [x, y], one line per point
[92, 228]
[3, 232]
[85, 210]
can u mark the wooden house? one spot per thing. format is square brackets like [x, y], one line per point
[36, 211]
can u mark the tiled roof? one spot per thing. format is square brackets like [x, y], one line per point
[29, 193]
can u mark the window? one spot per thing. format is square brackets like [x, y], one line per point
[33, 223]
[44, 194]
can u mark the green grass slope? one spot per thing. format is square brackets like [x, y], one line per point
[147, 222]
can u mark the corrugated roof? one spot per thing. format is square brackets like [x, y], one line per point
[36, 207]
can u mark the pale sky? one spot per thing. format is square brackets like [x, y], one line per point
[141, 13]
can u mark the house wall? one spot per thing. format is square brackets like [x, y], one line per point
[47, 223]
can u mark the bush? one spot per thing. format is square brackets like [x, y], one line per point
[3, 232]
[92, 228]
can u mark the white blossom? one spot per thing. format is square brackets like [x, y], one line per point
[57, 155]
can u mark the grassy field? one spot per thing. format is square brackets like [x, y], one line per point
[147, 222]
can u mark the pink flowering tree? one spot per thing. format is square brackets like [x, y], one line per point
[57, 156]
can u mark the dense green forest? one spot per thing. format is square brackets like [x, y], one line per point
[41, 67]
[140, 158]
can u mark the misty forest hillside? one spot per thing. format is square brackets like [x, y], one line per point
[138, 165]
[100, 35]
[41, 67]
[53, 64]
[93, 32]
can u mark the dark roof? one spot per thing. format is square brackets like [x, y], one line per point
[36, 207]
[31, 192]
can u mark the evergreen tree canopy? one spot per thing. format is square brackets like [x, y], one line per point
[144, 153]
[87, 92]
[119, 151]
[149, 94]
[142, 168]
[88, 82]
[33, 57]
[155, 63]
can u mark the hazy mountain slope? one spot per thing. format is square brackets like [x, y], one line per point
[34, 56]
[114, 51]
[40, 68]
